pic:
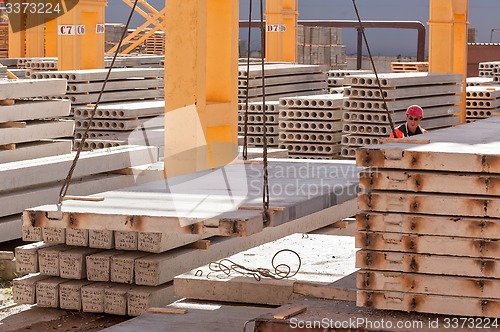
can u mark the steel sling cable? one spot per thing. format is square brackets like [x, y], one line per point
[265, 189]
[245, 126]
[393, 130]
[65, 186]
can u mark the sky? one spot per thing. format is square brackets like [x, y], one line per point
[483, 15]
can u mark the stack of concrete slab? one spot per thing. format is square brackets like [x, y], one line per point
[119, 255]
[336, 78]
[255, 124]
[482, 102]
[487, 68]
[124, 85]
[428, 229]
[32, 182]
[115, 124]
[135, 61]
[366, 118]
[280, 80]
[310, 127]
[27, 128]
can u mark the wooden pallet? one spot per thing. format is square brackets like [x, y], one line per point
[404, 67]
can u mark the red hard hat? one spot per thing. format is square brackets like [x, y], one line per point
[415, 110]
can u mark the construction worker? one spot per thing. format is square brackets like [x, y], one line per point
[414, 114]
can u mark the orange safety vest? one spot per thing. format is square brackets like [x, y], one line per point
[402, 131]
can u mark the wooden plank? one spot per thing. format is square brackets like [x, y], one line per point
[12, 124]
[291, 312]
[439, 204]
[469, 227]
[428, 244]
[430, 264]
[486, 288]
[438, 304]
[430, 181]
[472, 147]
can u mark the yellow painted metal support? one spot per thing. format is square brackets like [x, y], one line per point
[281, 30]
[201, 87]
[35, 40]
[17, 40]
[80, 44]
[448, 22]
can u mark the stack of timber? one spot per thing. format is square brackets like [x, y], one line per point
[310, 127]
[135, 241]
[116, 124]
[429, 226]
[38, 180]
[405, 67]
[321, 46]
[486, 69]
[482, 102]
[155, 44]
[255, 124]
[366, 118]
[4, 41]
[124, 85]
[280, 80]
[27, 126]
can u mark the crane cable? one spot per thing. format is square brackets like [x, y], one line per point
[265, 185]
[391, 123]
[65, 186]
[245, 125]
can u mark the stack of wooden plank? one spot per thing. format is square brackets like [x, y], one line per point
[125, 84]
[336, 78]
[366, 119]
[119, 255]
[429, 223]
[255, 125]
[486, 69]
[321, 46]
[155, 44]
[482, 102]
[280, 80]
[116, 124]
[404, 67]
[27, 128]
[4, 41]
[310, 127]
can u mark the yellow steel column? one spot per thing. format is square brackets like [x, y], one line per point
[80, 37]
[35, 40]
[448, 23]
[17, 36]
[201, 87]
[281, 30]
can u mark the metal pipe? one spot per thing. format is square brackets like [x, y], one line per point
[414, 25]
[359, 62]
